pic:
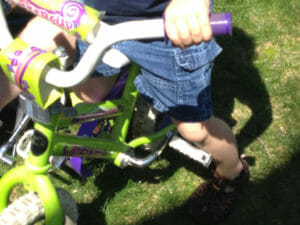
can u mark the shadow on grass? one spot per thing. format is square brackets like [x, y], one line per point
[113, 179]
[274, 200]
[234, 77]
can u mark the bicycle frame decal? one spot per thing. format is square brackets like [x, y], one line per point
[84, 152]
[70, 15]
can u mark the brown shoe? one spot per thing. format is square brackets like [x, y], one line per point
[211, 202]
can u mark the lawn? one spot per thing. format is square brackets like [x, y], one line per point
[256, 84]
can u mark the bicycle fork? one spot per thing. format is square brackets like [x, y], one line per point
[33, 176]
[12, 140]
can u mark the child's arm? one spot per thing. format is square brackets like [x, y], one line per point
[187, 22]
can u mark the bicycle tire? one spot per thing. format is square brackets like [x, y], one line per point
[28, 210]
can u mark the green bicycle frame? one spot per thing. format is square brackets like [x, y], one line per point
[33, 174]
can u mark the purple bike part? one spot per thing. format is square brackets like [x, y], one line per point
[221, 24]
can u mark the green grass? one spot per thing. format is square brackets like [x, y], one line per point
[256, 90]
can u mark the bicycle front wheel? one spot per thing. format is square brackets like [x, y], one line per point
[28, 210]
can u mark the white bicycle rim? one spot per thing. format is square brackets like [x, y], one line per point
[28, 209]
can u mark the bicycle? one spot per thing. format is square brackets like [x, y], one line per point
[42, 101]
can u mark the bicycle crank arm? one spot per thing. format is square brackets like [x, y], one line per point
[125, 159]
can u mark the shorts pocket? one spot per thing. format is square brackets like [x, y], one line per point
[194, 57]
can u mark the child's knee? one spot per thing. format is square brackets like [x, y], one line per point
[194, 132]
[48, 37]
[95, 89]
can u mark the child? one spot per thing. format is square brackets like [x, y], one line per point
[175, 77]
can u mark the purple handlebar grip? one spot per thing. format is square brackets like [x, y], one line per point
[221, 24]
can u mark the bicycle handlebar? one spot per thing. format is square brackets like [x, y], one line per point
[106, 36]
[110, 34]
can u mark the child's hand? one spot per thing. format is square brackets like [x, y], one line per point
[187, 22]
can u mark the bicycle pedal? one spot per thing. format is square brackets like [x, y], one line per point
[187, 149]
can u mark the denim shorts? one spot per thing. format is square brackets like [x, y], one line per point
[175, 81]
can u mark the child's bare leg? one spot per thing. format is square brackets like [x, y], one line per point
[95, 89]
[215, 137]
[213, 200]
[47, 36]
[8, 91]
